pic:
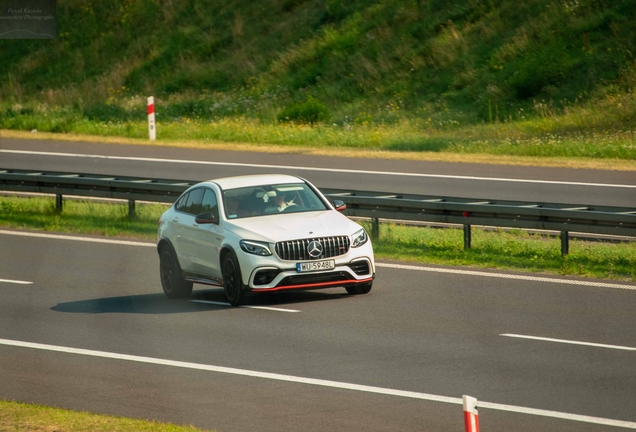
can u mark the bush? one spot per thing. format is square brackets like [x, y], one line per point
[543, 66]
[310, 111]
[109, 112]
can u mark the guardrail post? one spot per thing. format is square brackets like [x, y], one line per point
[152, 130]
[375, 229]
[565, 243]
[131, 209]
[58, 203]
[467, 237]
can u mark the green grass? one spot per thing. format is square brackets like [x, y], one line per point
[15, 416]
[80, 217]
[508, 250]
[502, 77]
[567, 136]
[511, 250]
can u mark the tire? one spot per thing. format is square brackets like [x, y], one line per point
[232, 280]
[360, 289]
[172, 282]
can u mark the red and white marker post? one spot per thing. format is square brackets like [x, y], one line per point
[471, 419]
[152, 129]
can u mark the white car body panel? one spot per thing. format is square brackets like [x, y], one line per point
[290, 226]
[201, 247]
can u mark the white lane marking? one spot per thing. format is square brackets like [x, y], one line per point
[557, 414]
[385, 265]
[571, 342]
[247, 306]
[76, 238]
[318, 382]
[507, 276]
[304, 168]
[16, 282]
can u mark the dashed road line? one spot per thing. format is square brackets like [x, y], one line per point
[246, 306]
[566, 341]
[19, 282]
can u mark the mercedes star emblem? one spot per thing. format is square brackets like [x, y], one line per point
[314, 249]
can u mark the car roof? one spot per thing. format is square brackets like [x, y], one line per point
[227, 183]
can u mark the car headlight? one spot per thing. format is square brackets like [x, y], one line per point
[359, 238]
[255, 248]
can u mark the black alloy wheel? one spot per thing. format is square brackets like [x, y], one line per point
[172, 282]
[232, 280]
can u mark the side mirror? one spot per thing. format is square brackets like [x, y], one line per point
[205, 218]
[339, 205]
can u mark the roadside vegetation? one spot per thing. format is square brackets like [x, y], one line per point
[16, 416]
[540, 78]
[515, 250]
[81, 217]
[512, 249]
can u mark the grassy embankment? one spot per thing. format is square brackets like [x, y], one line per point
[16, 416]
[499, 78]
[512, 250]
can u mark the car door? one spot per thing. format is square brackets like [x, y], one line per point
[208, 238]
[186, 233]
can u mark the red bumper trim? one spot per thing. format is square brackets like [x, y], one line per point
[313, 285]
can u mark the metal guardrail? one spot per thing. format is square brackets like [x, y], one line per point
[620, 221]
[93, 185]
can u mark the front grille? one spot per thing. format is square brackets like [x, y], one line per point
[296, 250]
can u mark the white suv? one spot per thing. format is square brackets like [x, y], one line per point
[261, 233]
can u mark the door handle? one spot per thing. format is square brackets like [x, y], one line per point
[175, 219]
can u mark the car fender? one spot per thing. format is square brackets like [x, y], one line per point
[227, 248]
[165, 241]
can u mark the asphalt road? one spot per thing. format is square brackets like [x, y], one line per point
[560, 185]
[435, 333]
[399, 358]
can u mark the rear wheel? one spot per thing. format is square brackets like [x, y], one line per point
[174, 286]
[232, 280]
[360, 289]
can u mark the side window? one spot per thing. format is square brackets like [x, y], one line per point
[193, 204]
[209, 203]
[180, 204]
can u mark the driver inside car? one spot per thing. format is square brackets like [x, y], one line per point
[280, 204]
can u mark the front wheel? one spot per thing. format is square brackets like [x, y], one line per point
[232, 280]
[360, 289]
[174, 286]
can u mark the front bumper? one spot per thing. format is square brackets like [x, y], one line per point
[264, 279]
[271, 273]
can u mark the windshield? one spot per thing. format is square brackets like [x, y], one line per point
[271, 199]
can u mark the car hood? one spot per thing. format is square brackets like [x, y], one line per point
[292, 226]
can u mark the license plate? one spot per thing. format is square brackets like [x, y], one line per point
[316, 266]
